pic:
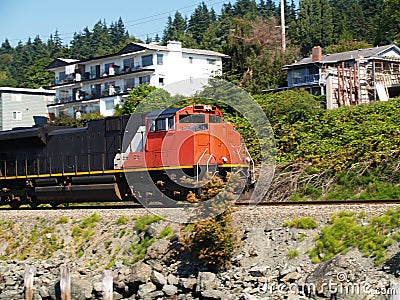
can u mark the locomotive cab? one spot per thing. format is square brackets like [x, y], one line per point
[191, 142]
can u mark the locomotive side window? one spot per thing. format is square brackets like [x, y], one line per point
[216, 119]
[162, 124]
[192, 118]
[171, 123]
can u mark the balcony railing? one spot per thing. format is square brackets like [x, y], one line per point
[306, 79]
[84, 95]
[77, 77]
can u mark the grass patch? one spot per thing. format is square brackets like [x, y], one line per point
[62, 220]
[142, 223]
[293, 253]
[138, 249]
[166, 232]
[302, 223]
[345, 231]
[122, 221]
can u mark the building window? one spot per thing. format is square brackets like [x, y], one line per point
[17, 115]
[144, 79]
[160, 59]
[109, 68]
[190, 59]
[16, 97]
[62, 76]
[211, 61]
[109, 104]
[129, 64]
[161, 81]
[147, 60]
[129, 83]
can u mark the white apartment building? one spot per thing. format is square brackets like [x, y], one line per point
[98, 84]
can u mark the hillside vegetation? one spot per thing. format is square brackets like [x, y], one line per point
[347, 153]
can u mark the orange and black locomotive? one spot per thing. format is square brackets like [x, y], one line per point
[55, 164]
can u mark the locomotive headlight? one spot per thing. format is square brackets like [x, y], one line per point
[224, 159]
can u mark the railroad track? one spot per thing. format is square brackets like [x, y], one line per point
[241, 203]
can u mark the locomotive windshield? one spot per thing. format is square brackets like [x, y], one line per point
[192, 118]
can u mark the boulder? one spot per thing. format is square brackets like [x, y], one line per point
[205, 281]
[81, 289]
[158, 249]
[146, 289]
[170, 289]
[158, 279]
[141, 272]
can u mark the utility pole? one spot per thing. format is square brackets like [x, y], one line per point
[283, 28]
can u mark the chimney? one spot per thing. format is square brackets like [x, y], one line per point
[316, 53]
[174, 46]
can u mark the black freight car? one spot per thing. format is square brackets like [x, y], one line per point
[52, 164]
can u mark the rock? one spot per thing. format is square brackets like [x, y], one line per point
[141, 272]
[213, 294]
[153, 230]
[169, 289]
[158, 279]
[205, 281]
[154, 295]
[117, 296]
[145, 289]
[291, 277]
[14, 295]
[259, 271]
[81, 289]
[98, 287]
[172, 279]
[44, 292]
[158, 249]
[188, 283]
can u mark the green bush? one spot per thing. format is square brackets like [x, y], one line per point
[166, 232]
[302, 223]
[345, 231]
[293, 253]
[122, 221]
[141, 224]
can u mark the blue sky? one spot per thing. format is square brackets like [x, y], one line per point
[21, 19]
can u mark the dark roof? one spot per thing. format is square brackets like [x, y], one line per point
[169, 112]
[349, 55]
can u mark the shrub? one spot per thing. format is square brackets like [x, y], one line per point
[212, 240]
[345, 231]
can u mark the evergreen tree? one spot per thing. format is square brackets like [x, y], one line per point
[314, 25]
[267, 8]
[6, 47]
[118, 35]
[246, 9]
[388, 30]
[175, 29]
[199, 22]
[101, 41]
